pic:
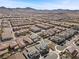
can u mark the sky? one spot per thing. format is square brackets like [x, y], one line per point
[42, 4]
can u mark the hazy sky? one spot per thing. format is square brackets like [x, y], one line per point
[41, 4]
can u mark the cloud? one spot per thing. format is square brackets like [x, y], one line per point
[64, 4]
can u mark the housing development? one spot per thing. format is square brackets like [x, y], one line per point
[39, 34]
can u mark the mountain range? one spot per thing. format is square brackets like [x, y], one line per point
[29, 9]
